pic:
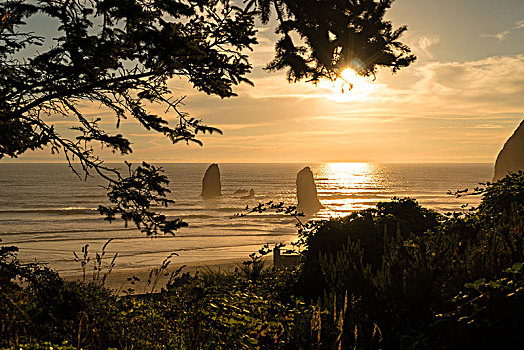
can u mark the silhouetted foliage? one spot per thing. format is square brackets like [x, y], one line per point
[500, 196]
[402, 264]
[365, 230]
[119, 55]
[133, 196]
[211, 310]
[334, 35]
[487, 314]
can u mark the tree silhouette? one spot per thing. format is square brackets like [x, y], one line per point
[120, 54]
[334, 35]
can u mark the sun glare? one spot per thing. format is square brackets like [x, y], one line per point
[349, 87]
[349, 173]
[344, 187]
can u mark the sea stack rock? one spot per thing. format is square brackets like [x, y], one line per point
[211, 186]
[511, 157]
[307, 192]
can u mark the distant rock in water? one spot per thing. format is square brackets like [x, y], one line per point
[511, 157]
[307, 192]
[240, 191]
[211, 186]
[250, 195]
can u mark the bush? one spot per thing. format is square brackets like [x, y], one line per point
[401, 264]
[366, 229]
[499, 197]
[486, 314]
[50, 309]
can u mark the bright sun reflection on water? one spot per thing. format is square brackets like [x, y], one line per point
[349, 173]
[346, 187]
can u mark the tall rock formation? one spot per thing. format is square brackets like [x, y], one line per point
[307, 192]
[511, 157]
[211, 186]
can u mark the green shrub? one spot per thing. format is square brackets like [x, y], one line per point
[43, 346]
[36, 304]
[366, 229]
[500, 196]
[486, 315]
[401, 264]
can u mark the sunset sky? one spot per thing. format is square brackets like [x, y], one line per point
[458, 102]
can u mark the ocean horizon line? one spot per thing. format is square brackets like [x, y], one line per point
[269, 163]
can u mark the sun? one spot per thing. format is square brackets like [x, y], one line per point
[348, 87]
[350, 77]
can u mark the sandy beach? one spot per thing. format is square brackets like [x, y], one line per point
[118, 278]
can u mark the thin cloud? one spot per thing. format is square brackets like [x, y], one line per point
[487, 126]
[427, 41]
[502, 35]
[494, 83]
[498, 36]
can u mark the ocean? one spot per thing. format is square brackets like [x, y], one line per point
[48, 212]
